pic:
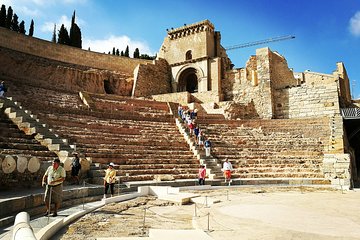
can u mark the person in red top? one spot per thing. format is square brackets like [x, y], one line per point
[202, 175]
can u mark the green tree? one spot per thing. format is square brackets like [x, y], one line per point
[3, 16]
[117, 52]
[113, 51]
[126, 54]
[53, 39]
[31, 30]
[9, 17]
[15, 23]
[122, 53]
[136, 53]
[145, 56]
[75, 33]
[63, 36]
[22, 27]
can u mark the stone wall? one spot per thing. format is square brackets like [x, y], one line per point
[306, 101]
[242, 87]
[336, 168]
[281, 75]
[152, 79]
[180, 97]
[34, 46]
[205, 97]
[251, 88]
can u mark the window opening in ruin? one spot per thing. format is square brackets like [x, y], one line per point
[188, 81]
[107, 87]
[188, 55]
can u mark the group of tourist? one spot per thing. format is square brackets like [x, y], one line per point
[189, 117]
[55, 176]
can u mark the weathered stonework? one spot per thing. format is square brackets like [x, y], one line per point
[152, 79]
[53, 74]
[193, 68]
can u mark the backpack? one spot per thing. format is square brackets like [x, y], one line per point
[76, 163]
[4, 88]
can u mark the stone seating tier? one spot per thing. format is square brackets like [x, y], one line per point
[304, 126]
[45, 97]
[137, 155]
[269, 148]
[137, 104]
[130, 109]
[137, 133]
[128, 147]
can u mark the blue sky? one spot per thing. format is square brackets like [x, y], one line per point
[326, 31]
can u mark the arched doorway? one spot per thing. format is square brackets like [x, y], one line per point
[188, 81]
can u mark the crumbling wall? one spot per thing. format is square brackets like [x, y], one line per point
[344, 84]
[152, 79]
[252, 93]
[281, 75]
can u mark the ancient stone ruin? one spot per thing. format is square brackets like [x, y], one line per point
[275, 125]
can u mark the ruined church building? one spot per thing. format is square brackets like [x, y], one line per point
[269, 121]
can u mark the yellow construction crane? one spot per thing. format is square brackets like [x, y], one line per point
[249, 44]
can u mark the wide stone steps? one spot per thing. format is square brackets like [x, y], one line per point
[109, 131]
[266, 155]
[137, 104]
[100, 122]
[22, 146]
[145, 161]
[280, 175]
[107, 137]
[43, 153]
[142, 143]
[130, 109]
[131, 147]
[306, 127]
[141, 155]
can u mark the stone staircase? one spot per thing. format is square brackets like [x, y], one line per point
[31, 125]
[212, 165]
[15, 145]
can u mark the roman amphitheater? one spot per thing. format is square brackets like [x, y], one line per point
[290, 136]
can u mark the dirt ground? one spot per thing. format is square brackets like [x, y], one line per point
[127, 219]
[242, 213]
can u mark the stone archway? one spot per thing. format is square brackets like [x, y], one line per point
[188, 81]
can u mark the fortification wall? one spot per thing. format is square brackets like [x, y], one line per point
[45, 49]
